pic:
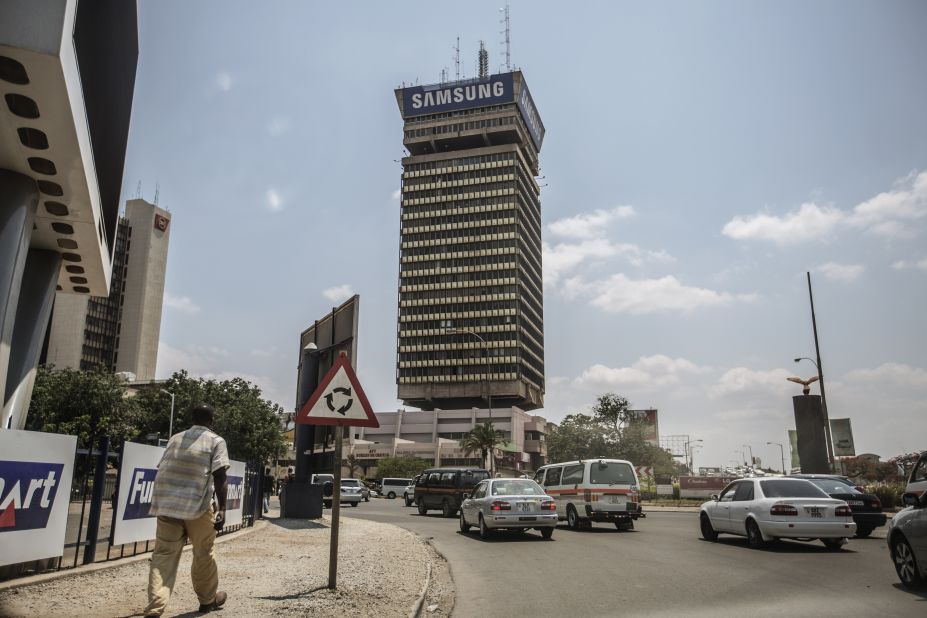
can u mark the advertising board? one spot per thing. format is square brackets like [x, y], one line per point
[529, 114]
[841, 433]
[436, 98]
[648, 419]
[133, 522]
[702, 486]
[35, 486]
[236, 492]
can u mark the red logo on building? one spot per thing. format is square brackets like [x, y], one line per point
[160, 223]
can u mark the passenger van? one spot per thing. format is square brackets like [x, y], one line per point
[593, 490]
[444, 488]
[391, 487]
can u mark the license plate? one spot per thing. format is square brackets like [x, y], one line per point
[814, 511]
[525, 506]
[527, 519]
[856, 503]
[617, 499]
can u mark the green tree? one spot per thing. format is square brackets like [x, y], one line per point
[579, 436]
[612, 410]
[400, 467]
[79, 403]
[483, 438]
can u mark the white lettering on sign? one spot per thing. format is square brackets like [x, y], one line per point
[234, 491]
[141, 489]
[458, 94]
[19, 501]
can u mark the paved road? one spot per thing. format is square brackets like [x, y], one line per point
[662, 568]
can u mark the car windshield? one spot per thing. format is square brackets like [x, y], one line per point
[833, 486]
[516, 487]
[791, 488]
[350, 482]
[611, 473]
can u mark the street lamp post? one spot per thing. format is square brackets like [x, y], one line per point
[689, 452]
[782, 454]
[170, 427]
[817, 365]
[456, 331]
[750, 448]
[743, 457]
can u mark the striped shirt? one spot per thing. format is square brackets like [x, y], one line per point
[183, 486]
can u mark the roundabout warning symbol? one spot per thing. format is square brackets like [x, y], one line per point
[339, 400]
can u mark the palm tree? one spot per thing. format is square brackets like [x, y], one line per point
[483, 438]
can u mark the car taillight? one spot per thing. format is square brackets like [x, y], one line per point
[860, 489]
[843, 511]
[877, 504]
[548, 506]
[783, 509]
[499, 505]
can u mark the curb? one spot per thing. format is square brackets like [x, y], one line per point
[43, 578]
[420, 601]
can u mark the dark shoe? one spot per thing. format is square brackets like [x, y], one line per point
[216, 604]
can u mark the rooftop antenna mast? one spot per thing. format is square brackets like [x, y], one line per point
[484, 61]
[457, 58]
[138, 190]
[508, 38]
[157, 192]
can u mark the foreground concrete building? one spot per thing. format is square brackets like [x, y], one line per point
[67, 78]
[471, 316]
[119, 332]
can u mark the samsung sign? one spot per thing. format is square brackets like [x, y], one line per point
[494, 90]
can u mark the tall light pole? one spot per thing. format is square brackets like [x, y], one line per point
[456, 331]
[830, 444]
[743, 457]
[750, 448]
[782, 454]
[170, 427]
[689, 452]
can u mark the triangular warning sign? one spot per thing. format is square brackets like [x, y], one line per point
[339, 400]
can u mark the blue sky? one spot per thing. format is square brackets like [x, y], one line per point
[699, 159]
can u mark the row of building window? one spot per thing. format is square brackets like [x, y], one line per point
[465, 373]
[456, 127]
[473, 111]
[453, 192]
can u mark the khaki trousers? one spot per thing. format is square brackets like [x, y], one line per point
[171, 535]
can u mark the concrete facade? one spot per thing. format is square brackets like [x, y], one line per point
[471, 317]
[119, 332]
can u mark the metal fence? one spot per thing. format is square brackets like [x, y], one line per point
[92, 508]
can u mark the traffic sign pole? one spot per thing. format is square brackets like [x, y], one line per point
[336, 513]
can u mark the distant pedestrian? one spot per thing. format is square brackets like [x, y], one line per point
[268, 484]
[191, 471]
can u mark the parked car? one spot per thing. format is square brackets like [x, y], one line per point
[513, 504]
[593, 490]
[917, 480]
[867, 508]
[764, 509]
[392, 487]
[323, 479]
[408, 494]
[907, 542]
[351, 491]
[444, 488]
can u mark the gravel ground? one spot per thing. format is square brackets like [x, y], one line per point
[279, 570]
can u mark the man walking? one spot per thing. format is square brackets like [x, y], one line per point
[268, 484]
[191, 470]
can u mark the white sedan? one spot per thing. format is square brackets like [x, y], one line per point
[778, 508]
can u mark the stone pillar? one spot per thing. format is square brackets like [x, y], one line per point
[809, 424]
[36, 299]
[19, 200]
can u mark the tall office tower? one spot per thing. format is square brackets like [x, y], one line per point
[471, 317]
[118, 332]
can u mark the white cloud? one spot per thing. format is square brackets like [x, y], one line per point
[904, 264]
[887, 214]
[619, 294]
[647, 371]
[563, 258]
[224, 81]
[278, 125]
[339, 293]
[840, 272]
[274, 201]
[741, 381]
[183, 304]
[589, 225]
[809, 222]
[894, 374]
[264, 353]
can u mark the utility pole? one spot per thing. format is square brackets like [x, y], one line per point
[817, 350]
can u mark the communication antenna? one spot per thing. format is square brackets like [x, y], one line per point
[157, 192]
[484, 61]
[444, 75]
[138, 190]
[508, 38]
[457, 58]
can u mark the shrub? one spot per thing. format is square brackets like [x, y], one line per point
[888, 493]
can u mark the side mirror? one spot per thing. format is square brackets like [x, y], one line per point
[714, 497]
[466, 496]
[909, 500]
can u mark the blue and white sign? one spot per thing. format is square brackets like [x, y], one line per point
[234, 498]
[35, 486]
[436, 98]
[139, 466]
[529, 114]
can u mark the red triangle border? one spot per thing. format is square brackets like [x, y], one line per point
[303, 418]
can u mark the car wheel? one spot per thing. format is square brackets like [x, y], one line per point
[447, 510]
[572, 518]
[833, 544]
[547, 533]
[421, 507]
[754, 536]
[355, 503]
[485, 532]
[905, 563]
[863, 531]
[624, 525]
[391, 495]
[464, 526]
[408, 501]
[708, 531]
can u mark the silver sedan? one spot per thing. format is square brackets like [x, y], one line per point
[513, 504]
